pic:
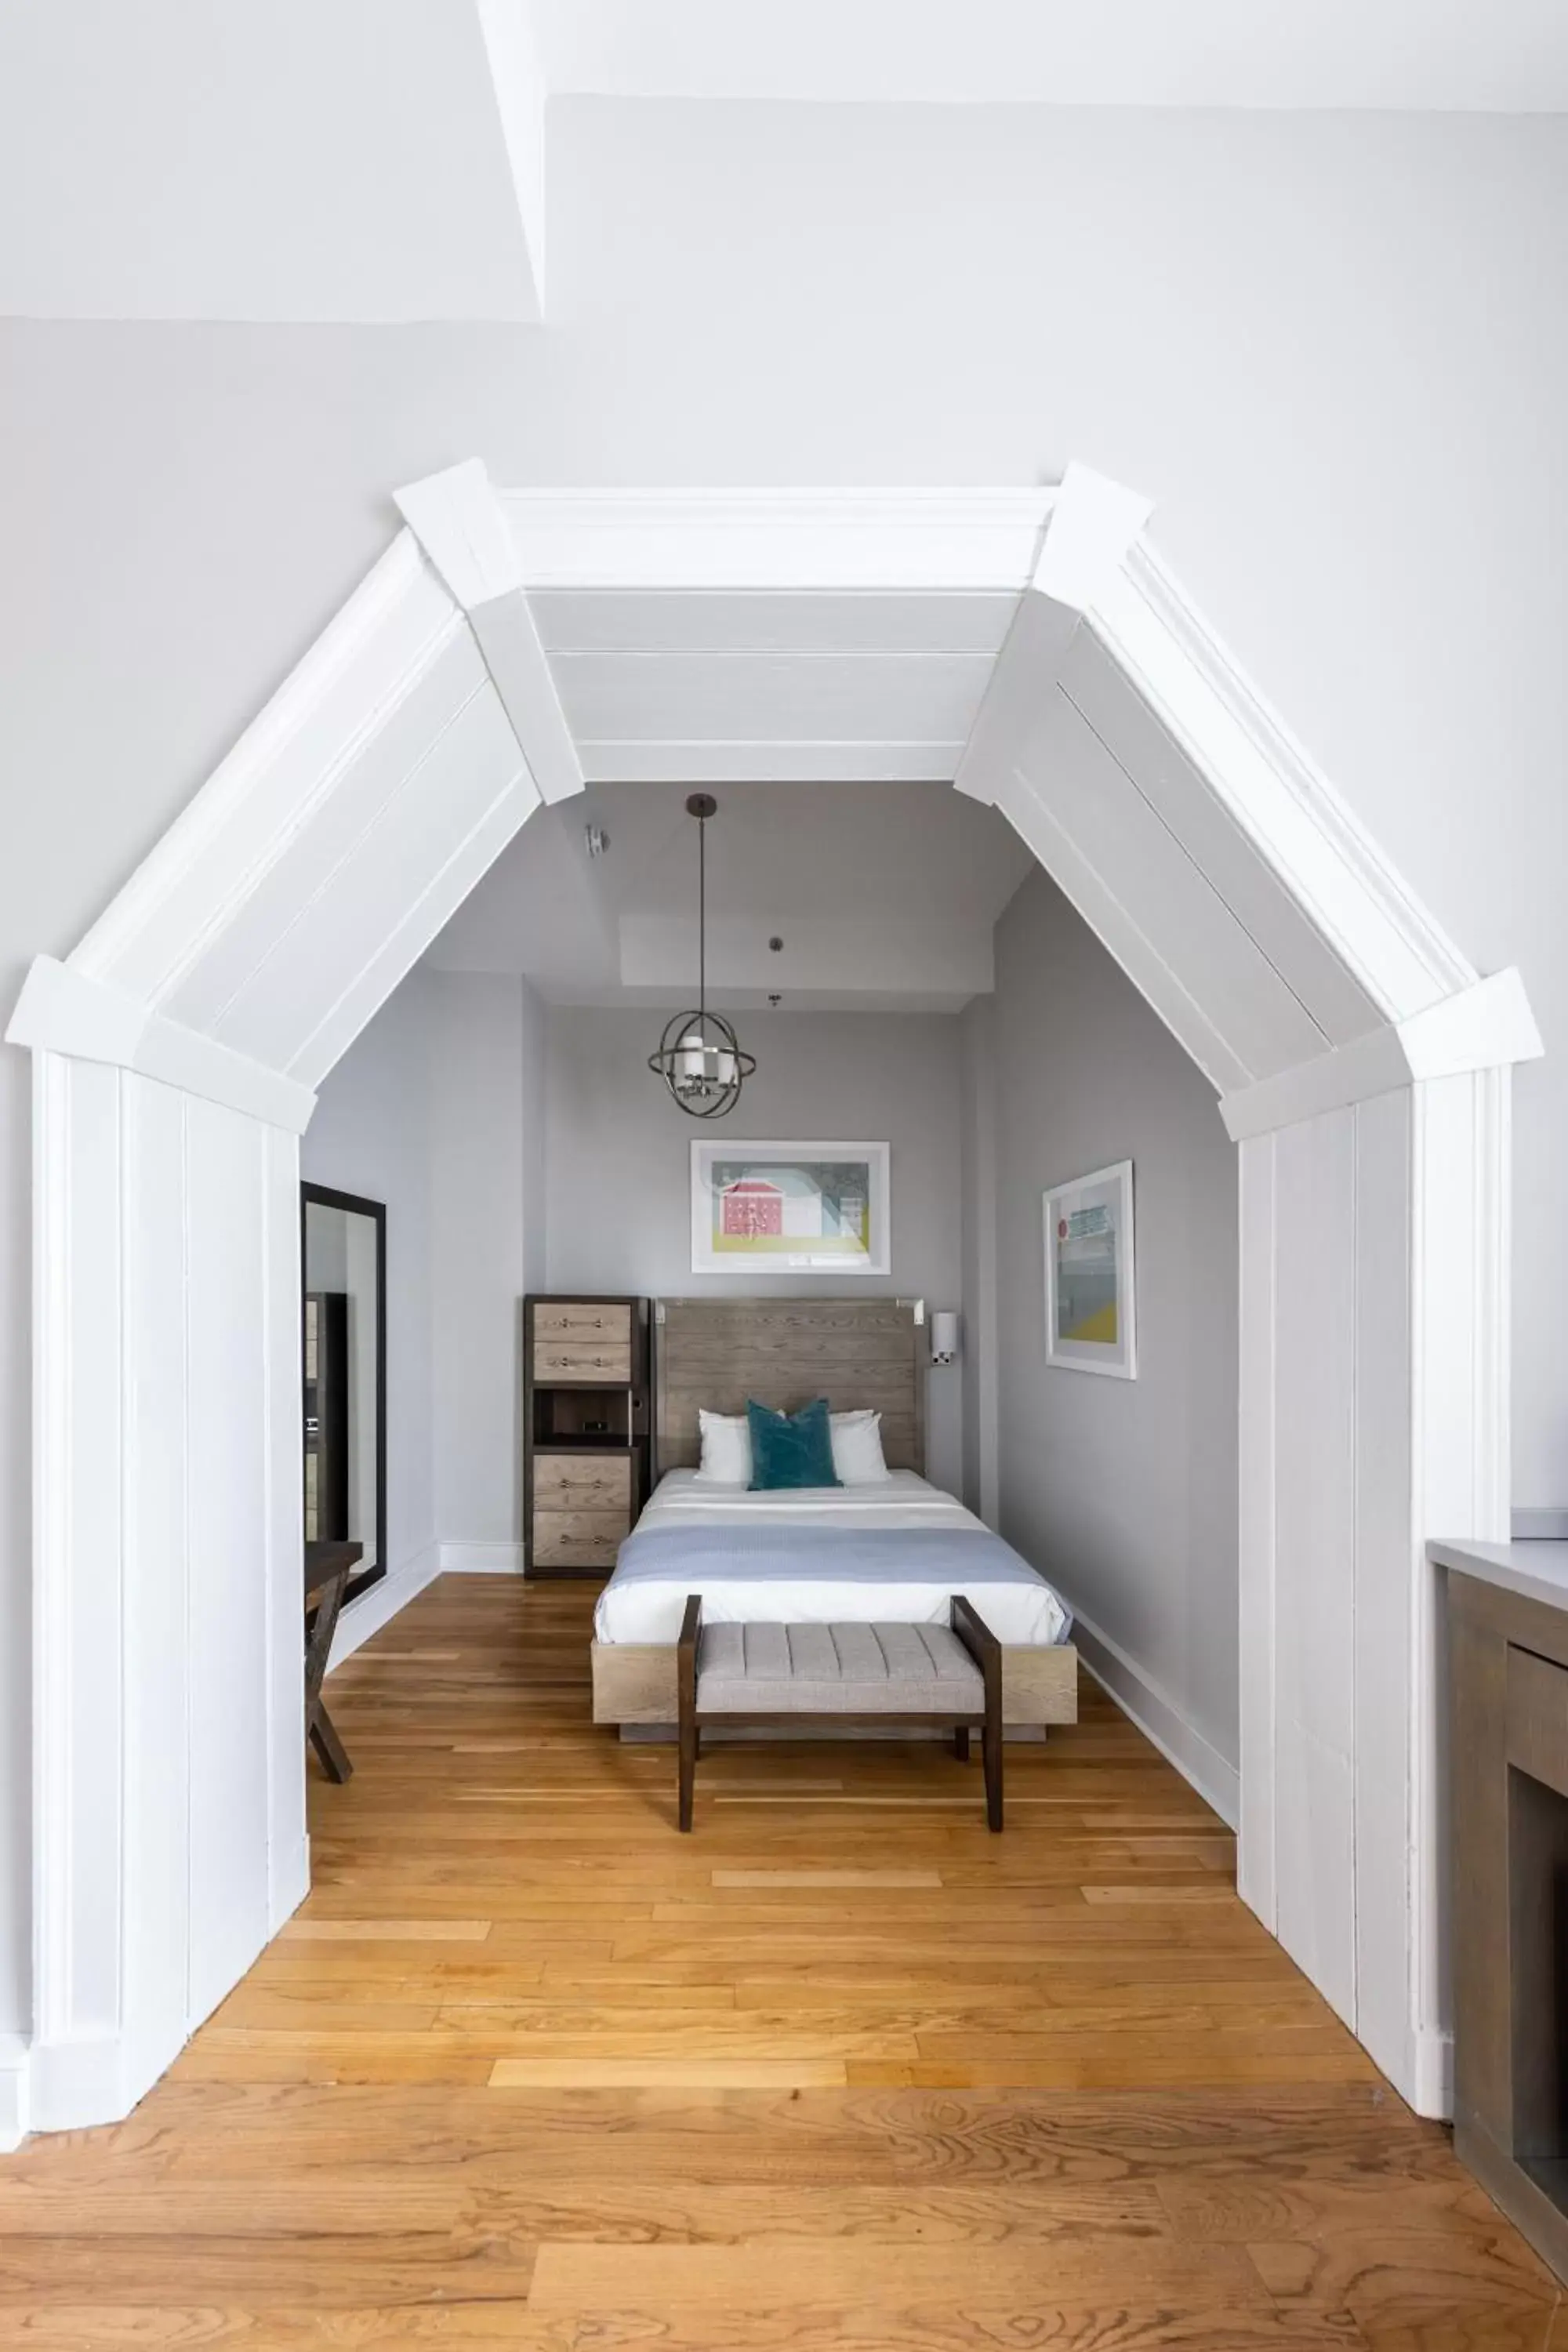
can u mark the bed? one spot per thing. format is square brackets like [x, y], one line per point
[895, 1551]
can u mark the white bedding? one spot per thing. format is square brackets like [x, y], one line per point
[1021, 1610]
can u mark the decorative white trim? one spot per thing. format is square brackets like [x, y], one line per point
[1092, 528]
[776, 763]
[15, 2123]
[1432, 2074]
[462, 527]
[61, 1010]
[1160, 1719]
[824, 538]
[382, 1601]
[1489, 1026]
[214, 819]
[1282, 799]
[481, 1558]
[464, 531]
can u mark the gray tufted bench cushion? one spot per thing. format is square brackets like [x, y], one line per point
[854, 1669]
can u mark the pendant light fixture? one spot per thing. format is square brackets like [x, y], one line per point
[700, 1057]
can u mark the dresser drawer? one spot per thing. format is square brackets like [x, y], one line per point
[584, 1318]
[577, 1539]
[565, 1360]
[582, 1482]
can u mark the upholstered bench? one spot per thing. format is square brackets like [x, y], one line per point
[944, 1676]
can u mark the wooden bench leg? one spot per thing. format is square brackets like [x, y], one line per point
[685, 1693]
[990, 1752]
[961, 1743]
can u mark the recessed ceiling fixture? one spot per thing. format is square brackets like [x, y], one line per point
[700, 1057]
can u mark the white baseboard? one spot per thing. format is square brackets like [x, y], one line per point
[481, 1558]
[14, 2124]
[1159, 1719]
[380, 1604]
[1432, 2092]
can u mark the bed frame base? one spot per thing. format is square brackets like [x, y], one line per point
[635, 1682]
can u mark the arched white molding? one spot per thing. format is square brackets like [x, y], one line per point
[1364, 1066]
[1361, 1060]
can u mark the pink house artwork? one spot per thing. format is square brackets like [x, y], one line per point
[751, 1207]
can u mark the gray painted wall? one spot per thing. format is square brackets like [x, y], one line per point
[1124, 1492]
[620, 1157]
[369, 1135]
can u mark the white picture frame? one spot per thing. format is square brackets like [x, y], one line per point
[771, 1209]
[1091, 1302]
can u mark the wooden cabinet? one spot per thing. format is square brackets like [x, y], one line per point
[586, 1429]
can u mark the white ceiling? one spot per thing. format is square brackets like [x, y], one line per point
[884, 895]
[1504, 55]
[384, 159]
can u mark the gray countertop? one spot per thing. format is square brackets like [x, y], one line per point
[1537, 1570]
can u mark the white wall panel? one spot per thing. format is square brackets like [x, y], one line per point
[330, 830]
[228, 1538]
[460, 774]
[647, 621]
[1166, 896]
[1386, 1563]
[208, 860]
[771, 697]
[1314, 1588]
[1209, 833]
[287, 1852]
[1258, 1386]
[157, 1556]
[1094, 895]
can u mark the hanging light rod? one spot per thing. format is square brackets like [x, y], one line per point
[700, 1057]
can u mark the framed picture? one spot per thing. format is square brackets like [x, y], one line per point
[790, 1208]
[1090, 1312]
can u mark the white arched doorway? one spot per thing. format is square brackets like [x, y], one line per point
[1361, 1064]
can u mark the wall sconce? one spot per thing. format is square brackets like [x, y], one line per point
[944, 1337]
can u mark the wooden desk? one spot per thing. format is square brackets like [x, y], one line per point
[328, 1568]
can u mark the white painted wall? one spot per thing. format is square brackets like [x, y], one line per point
[960, 297]
[620, 1214]
[1123, 1492]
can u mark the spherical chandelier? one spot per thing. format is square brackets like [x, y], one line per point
[700, 1057]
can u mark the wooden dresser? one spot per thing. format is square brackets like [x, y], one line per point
[585, 1430]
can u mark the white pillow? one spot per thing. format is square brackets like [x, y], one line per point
[858, 1458]
[726, 1449]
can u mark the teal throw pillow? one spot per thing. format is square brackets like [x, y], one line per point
[791, 1449]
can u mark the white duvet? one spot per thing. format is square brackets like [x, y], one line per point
[1017, 1604]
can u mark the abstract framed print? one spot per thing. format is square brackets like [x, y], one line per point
[1091, 1306]
[790, 1208]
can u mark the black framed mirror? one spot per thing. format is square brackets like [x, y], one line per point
[342, 1327]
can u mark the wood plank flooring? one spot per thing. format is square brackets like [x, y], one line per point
[839, 2070]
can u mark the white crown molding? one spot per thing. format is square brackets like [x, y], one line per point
[206, 829]
[1487, 1026]
[780, 539]
[62, 1010]
[1092, 528]
[463, 529]
[1284, 802]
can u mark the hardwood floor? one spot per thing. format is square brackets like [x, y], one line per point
[837, 2070]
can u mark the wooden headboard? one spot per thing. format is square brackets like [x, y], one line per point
[857, 1352]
